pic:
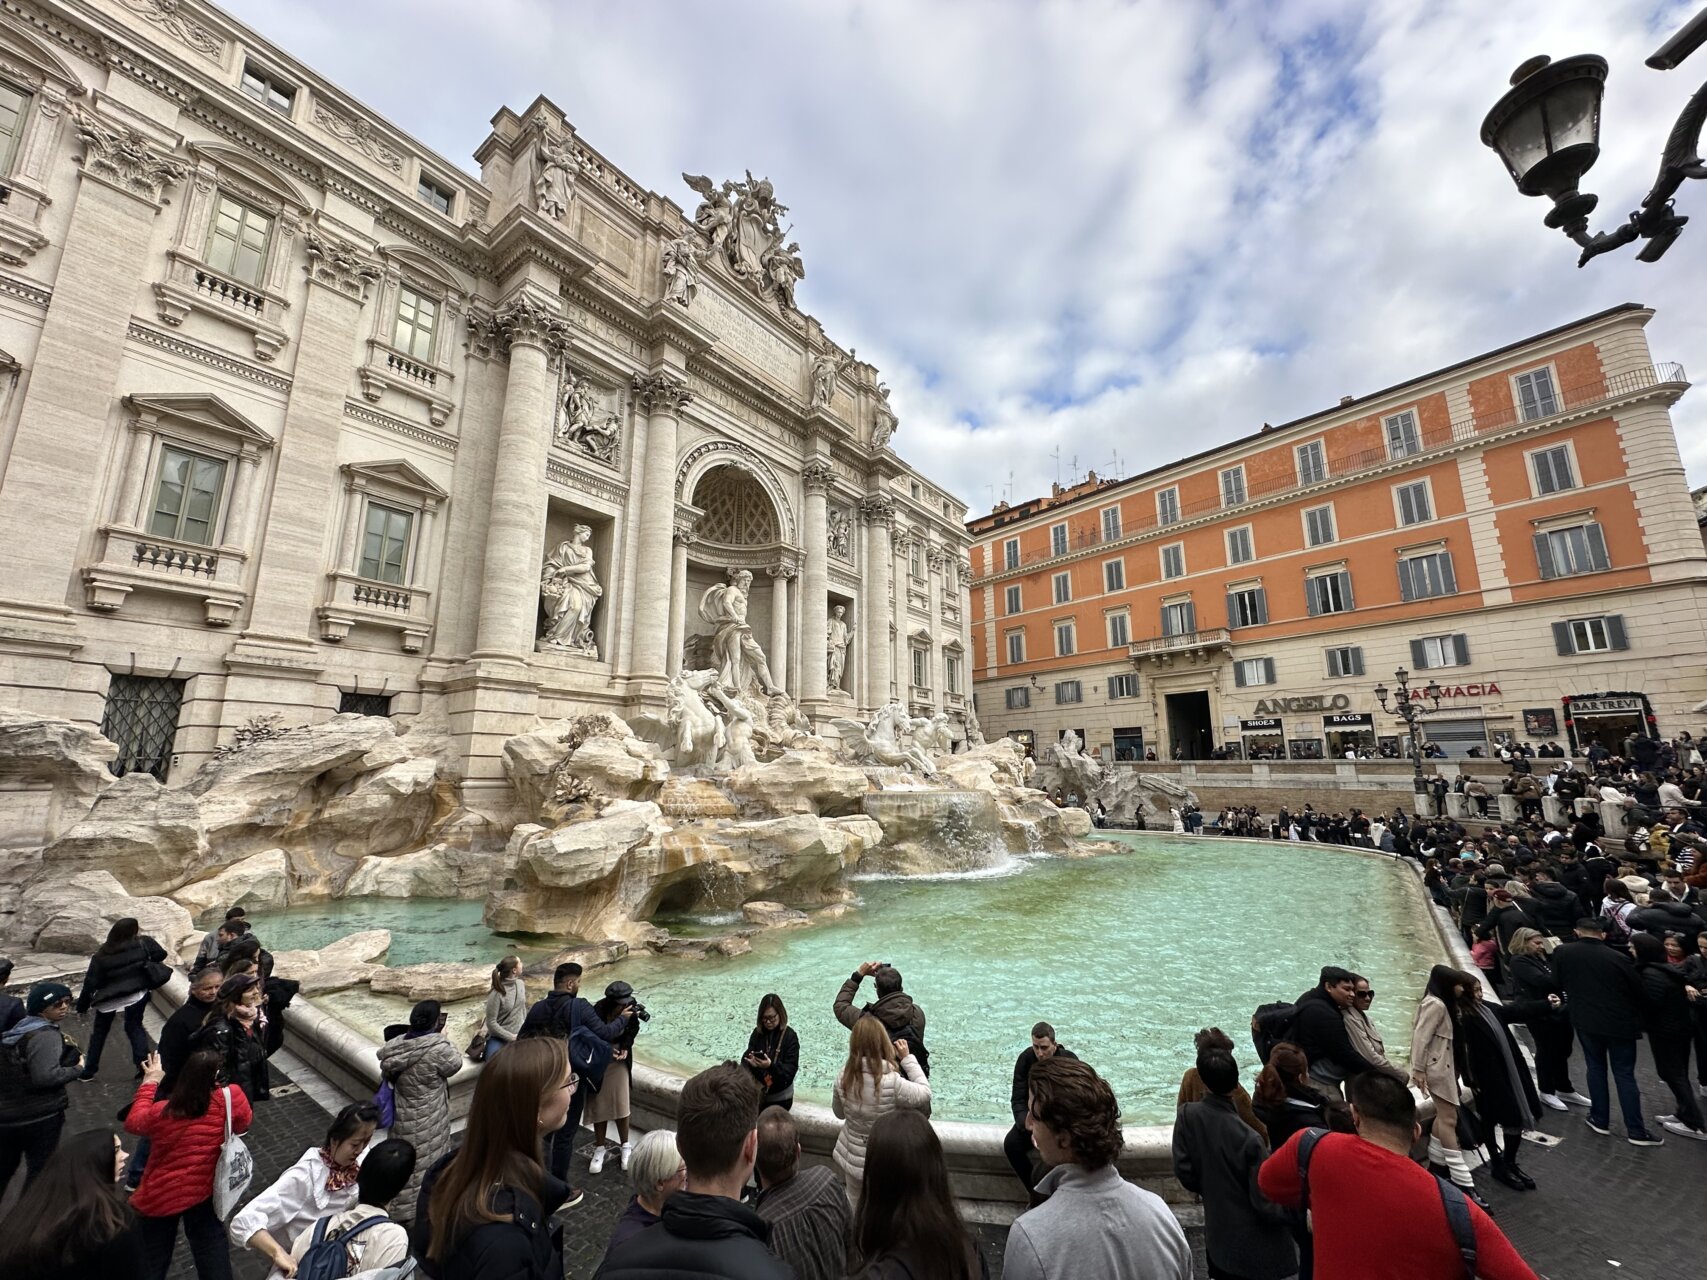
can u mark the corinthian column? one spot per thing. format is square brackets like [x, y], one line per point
[515, 527]
[815, 585]
[662, 396]
[876, 606]
[780, 574]
[683, 538]
[937, 561]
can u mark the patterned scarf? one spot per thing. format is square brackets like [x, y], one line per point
[339, 1177]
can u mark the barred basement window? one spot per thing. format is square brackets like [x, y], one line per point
[364, 704]
[141, 716]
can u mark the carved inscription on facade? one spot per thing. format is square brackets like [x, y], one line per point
[736, 331]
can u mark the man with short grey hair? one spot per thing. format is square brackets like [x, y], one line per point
[807, 1208]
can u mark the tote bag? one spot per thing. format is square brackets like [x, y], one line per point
[235, 1168]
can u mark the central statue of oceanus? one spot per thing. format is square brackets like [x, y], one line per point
[741, 663]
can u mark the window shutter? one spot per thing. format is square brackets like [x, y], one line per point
[1544, 556]
[1239, 674]
[1562, 639]
[1345, 587]
[1357, 661]
[1448, 579]
[1167, 621]
[1232, 610]
[1312, 597]
[1190, 617]
[1597, 547]
[1268, 670]
[1615, 636]
[1419, 658]
[1406, 590]
[1262, 604]
[1461, 647]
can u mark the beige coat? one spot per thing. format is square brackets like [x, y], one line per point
[1431, 1049]
[905, 1088]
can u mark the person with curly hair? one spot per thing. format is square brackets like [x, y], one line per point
[1094, 1225]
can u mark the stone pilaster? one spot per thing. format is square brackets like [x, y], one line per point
[661, 396]
[815, 584]
[535, 338]
[778, 655]
[681, 538]
[936, 561]
[876, 607]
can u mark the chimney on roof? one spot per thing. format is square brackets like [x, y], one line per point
[1268, 426]
[1347, 399]
[1090, 477]
[1055, 489]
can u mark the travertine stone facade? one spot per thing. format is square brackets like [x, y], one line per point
[292, 410]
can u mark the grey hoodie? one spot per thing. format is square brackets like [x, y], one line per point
[43, 1076]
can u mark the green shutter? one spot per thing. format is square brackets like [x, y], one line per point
[1419, 658]
[1615, 635]
[1268, 670]
[1544, 557]
[1461, 647]
[1407, 588]
[1345, 585]
[1597, 557]
[1562, 641]
[1357, 661]
[1448, 579]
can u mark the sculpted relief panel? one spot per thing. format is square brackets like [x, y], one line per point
[587, 418]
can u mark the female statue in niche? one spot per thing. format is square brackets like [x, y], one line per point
[571, 589]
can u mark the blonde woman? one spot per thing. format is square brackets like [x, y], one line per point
[879, 1077]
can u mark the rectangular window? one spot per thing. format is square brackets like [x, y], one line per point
[1249, 671]
[141, 716]
[1345, 661]
[431, 193]
[1312, 463]
[237, 240]
[264, 87]
[1010, 554]
[1424, 577]
[1119, 630]
[1440, 651]
[1590, 635]
[1065, 640]
[14, 109]
[1247, 608]
[1010, 602]
[1232, 486]
[1016, 646]
[1125, 686]
[1239, 548]
[1111, 524]
[1063, 585]
[1403, 438]
[1057, 539]
[186, 496]
[1114, 575]
[1552, 470]
[1318, 526]
[921, 674]
[417, 318]
[950, 673]
[916, 559]
[1329, 593]
[1018, 699]
[1414, 506]
[1167, 506]
[385, 544]
[1535, 398]
[1179, 619]
[1173, 560]
[364, 704]
[1560, 553]
[1069, 691]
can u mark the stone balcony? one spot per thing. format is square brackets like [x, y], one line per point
[1198, 646]
[356, 601]
[191, 285]
[387, 368]
[130, 560]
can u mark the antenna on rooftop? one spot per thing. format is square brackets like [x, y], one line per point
[1075, 468]
[1057, 456]
[1010, 486]
[1115, 470]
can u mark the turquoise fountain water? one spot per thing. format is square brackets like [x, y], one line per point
[1128, 955]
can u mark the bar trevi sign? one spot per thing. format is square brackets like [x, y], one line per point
[1340, 701]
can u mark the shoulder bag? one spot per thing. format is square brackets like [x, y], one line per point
[235, 1169]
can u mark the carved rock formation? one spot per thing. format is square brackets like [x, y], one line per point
[73, 914]
[351, 961]
[258, 883]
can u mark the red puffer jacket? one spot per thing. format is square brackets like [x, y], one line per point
[183, 1152]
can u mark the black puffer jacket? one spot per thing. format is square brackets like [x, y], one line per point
[1661, 918]
[1319, 1031]
[1556, 906]
[1665, 1005]
[698, 1237]
[114, 975]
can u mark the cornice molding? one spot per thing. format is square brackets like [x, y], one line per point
[398, 426]
[213, 358]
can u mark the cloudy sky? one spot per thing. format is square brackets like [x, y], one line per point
[1118, 230]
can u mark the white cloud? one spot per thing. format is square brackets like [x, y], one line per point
[1091, 226]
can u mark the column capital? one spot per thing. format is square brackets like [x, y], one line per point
[817, 476]
[342, 265]
[784, 570]
[522, 321]
[878, 509]
[125, 160]
[662, 392]
[936, 556]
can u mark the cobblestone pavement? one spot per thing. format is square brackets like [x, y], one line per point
[1603, 1207]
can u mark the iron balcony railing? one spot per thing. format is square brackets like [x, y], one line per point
[1458, 431]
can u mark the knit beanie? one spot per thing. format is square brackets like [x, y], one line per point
[45, 994]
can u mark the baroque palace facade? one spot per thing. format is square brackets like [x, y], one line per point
[1516, 528]
[296, 416]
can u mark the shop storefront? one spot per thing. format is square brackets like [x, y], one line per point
[1262, 738]
[1349, 733]
[1128, 744]
[1304, 748]
[1457, 737]
[1608, 718]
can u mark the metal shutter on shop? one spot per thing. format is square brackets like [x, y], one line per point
[1458, 736]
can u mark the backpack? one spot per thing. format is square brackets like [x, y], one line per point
[1451, 1199]
[1271, 1024]
[915, 1038]
[589, 1053]
[329, 1258]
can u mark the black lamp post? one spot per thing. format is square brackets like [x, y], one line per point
[1547, 131]
[1411, 711]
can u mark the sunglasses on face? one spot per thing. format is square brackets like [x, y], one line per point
[1365, 995]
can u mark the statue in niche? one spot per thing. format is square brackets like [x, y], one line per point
[826, 368]
[740, 661]
[839, 536]
[681, 264]
[554, 176]
[581, 426]
[836, 645]
[571, 590]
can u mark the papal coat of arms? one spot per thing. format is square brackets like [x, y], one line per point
[742, 223]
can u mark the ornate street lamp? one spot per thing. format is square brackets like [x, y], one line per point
[1547, 131]
[1411, 711]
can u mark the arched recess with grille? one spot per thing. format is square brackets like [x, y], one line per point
[747, 489]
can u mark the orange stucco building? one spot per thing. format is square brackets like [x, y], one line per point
[1516, 527]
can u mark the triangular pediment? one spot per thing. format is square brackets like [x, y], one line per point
[398, 472]
[203, 410]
